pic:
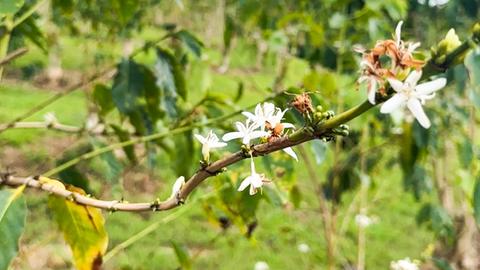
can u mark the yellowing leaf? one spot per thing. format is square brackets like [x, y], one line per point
[83, 229]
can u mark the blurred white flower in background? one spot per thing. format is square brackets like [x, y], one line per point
[433, 3]
[363, 221]
[303, 248]
[405, 264]
[261, 266]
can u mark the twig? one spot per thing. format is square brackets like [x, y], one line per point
[13, 55]
[110, 70]
[298, 137]
[44, 125]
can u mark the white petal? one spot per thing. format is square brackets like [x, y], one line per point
[268, 108]
[413, 78]
[253, 190]
[256, 181]
[258, 134]
[258, 109]
[244, 184]
[290, 152]
[413, 46]
[177, 186]
[200, 138]
[393, 103]
[288, 125]
[206, 152]
[416, 108]
[396, 85]
[217, 145]
[240, 127]
[430, 87]
[246, 139]
[372, 90]
[249, 115]
[232, 135]
[398, 32]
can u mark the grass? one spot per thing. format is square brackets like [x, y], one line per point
[279, 232]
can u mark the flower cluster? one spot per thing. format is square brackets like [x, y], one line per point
[402, 75]
[265, 122]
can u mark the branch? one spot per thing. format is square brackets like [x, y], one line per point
[43, 125]
[13, 55]
[80, 85]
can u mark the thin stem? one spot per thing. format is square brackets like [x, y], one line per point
[13, 55]
[110, 70]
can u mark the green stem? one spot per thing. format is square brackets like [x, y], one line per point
[345, 116]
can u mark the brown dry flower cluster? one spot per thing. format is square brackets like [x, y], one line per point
[401, 58]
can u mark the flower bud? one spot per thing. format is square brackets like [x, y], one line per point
[476, 33]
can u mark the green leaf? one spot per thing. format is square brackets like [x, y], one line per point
[102, 96]
[465, 151]
[191, 42]
[30, 30]
[170, 78]
[10, 7]
[113, 167]
[472, 62]
[295, 196]
[83, 230]
[476, 200]
[123, 136]
[127, 86]
[13, 212]
[182, 255]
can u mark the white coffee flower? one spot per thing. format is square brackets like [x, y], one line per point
[409, 94]
[303, 248]
[275, 119]
[405, 264]
[262, 113]
[247, 132]
[177, 186]
[261, 266]
[254, 180]
[209, 142]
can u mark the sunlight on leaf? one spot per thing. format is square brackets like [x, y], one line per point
[83, 229]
